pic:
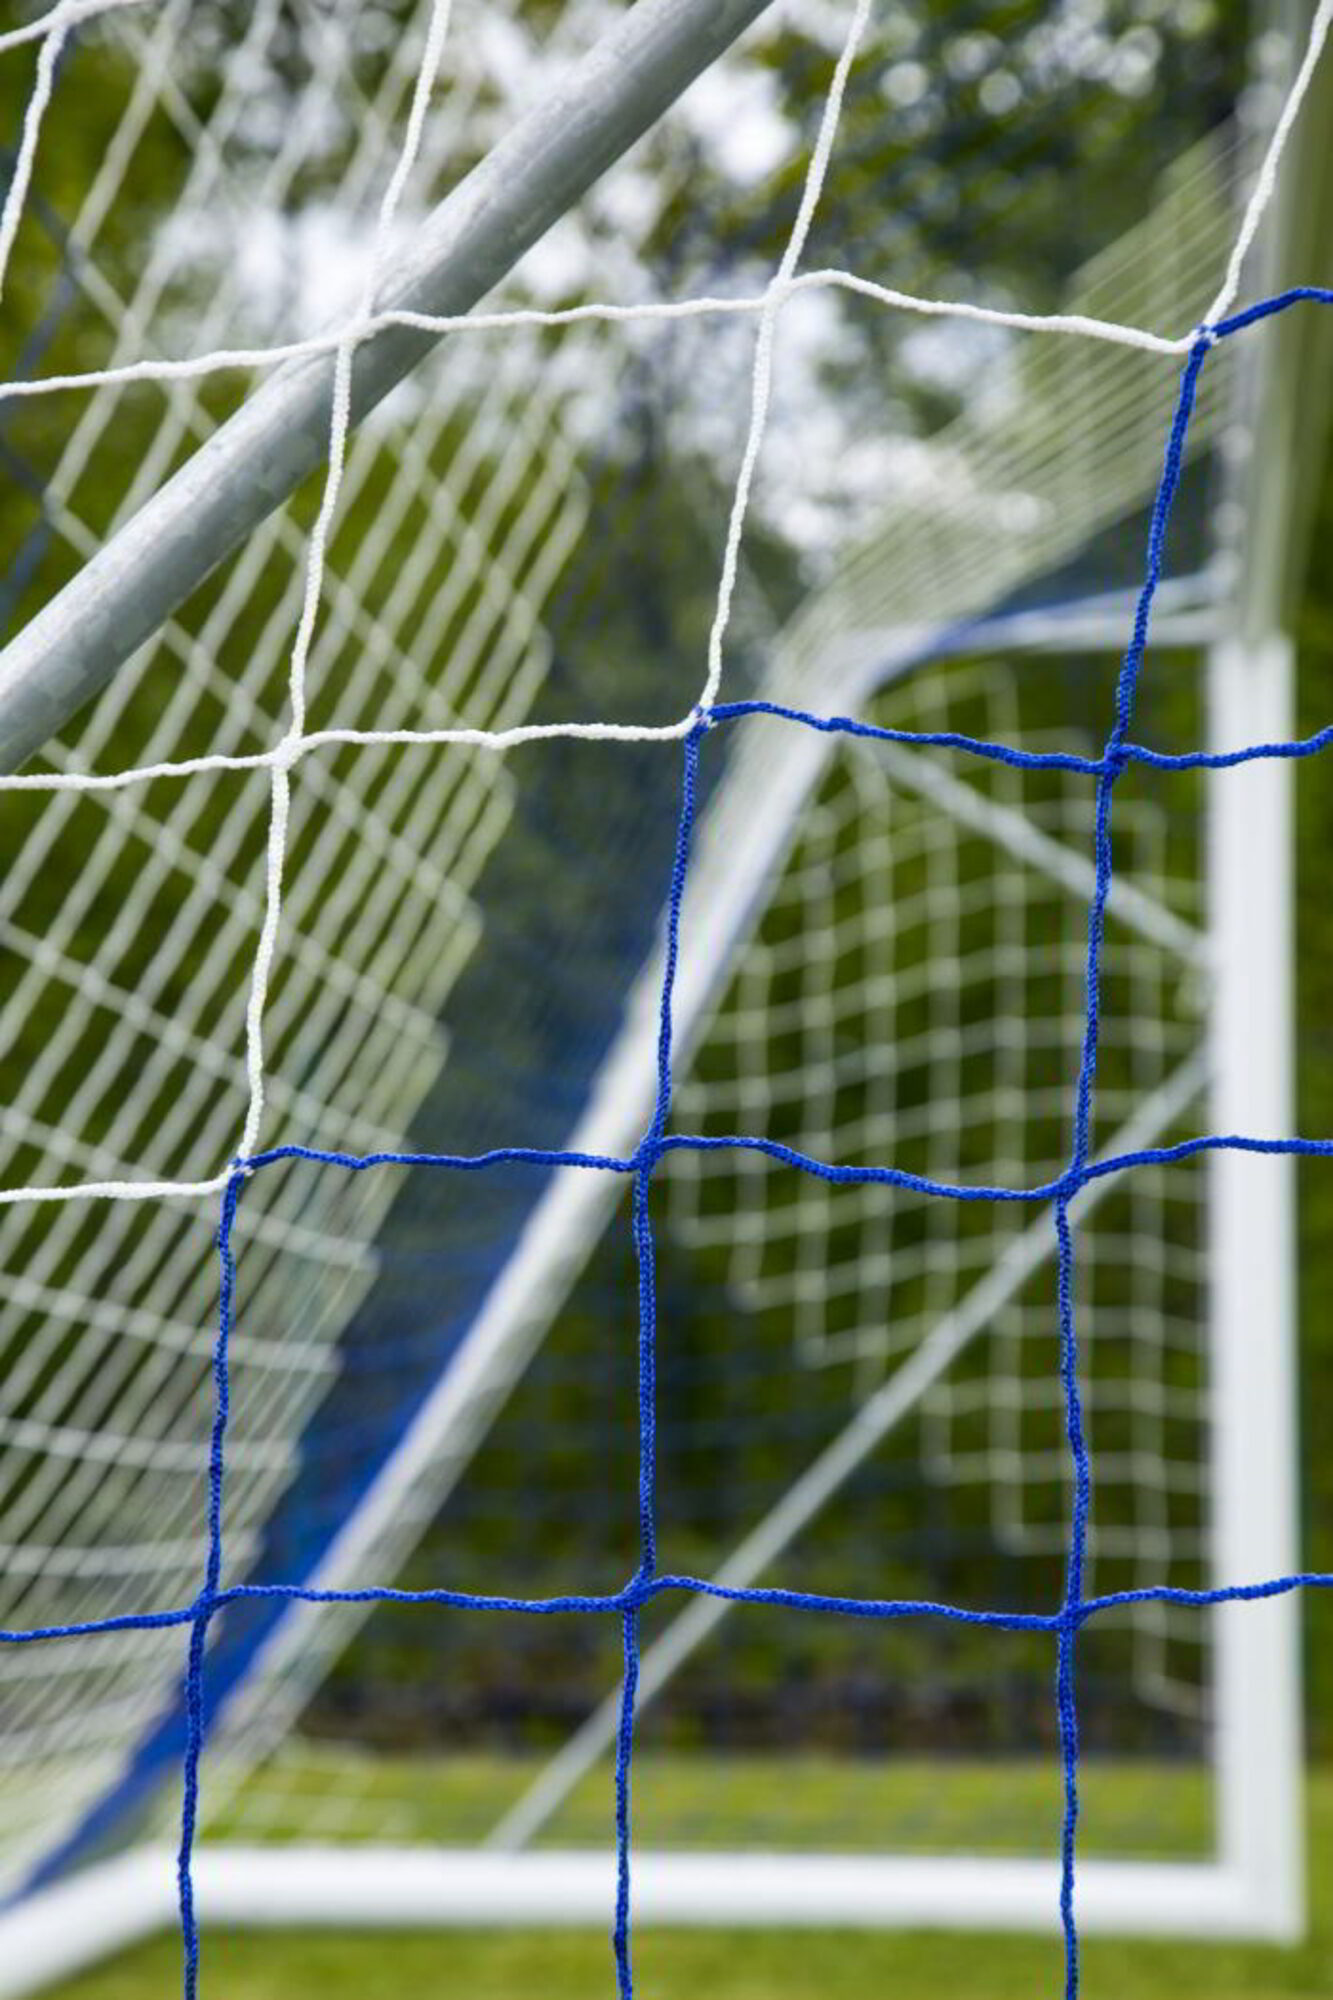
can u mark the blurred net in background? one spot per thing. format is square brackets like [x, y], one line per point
[529, 530]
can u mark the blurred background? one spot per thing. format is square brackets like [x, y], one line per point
[947, 525]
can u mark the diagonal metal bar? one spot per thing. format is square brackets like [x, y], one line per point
[74, 646]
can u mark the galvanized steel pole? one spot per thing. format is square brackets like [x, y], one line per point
[74, 646]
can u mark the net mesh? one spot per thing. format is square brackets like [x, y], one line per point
[914, 987]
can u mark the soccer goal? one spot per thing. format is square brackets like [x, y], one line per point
[645, 1064]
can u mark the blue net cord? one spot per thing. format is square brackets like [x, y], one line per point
[647, 1583]
[1113, 768]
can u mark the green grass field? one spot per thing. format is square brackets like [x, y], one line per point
[921, 1806]
[748, 1965]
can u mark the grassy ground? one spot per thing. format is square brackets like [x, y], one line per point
[925, 1806]
[721, 1965]
[775, 1965]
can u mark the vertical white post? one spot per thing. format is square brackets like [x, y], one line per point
[1280, 430]
[1254, 1446]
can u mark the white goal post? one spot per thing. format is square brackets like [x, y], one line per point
[433, 637]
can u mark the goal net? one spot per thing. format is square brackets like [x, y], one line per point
[363, 907]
